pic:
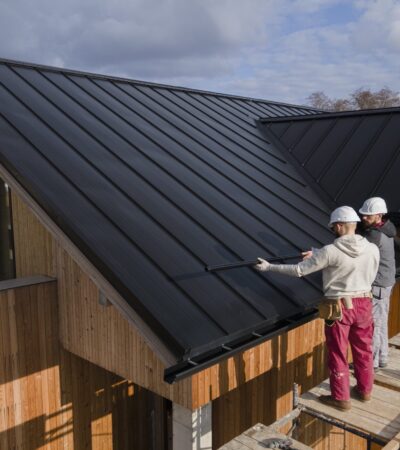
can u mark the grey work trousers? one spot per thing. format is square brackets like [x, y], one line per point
[380, 313]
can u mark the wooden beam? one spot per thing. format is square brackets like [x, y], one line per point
[25, 281]
[104, 285]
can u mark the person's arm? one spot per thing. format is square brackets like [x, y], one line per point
[318, 261]
[375, 237]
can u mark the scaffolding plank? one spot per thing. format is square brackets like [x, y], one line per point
[390, 375]
[392, 445]
[380, 417]
[395, 341]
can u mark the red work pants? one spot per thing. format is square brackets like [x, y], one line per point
[356, 328]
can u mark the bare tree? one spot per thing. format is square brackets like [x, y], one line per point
[366, 99]
[341, 104]
[360, 99]
[320, 100]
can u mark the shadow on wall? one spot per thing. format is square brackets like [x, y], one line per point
[49, 396]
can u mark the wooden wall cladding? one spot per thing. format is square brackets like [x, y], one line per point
[94, 332]
[33, 244]
[52, 399]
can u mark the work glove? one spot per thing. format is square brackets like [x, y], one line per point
[307, 255]
[262, 265]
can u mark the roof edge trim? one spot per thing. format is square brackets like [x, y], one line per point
[146, 83]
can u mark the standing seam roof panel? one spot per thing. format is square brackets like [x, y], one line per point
[151, 193]
[356, 155]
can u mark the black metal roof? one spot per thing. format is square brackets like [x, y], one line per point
[154, 182]
[347, 156]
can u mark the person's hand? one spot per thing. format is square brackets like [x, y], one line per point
[262, 265]
[307, 255]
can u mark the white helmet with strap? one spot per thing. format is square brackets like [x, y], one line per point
[343, 214]
[373, 205]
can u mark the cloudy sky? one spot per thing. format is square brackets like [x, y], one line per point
[276, 49]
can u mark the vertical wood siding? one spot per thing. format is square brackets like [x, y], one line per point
[52, 399]
[94, 332]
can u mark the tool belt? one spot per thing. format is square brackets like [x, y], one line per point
[331, 309]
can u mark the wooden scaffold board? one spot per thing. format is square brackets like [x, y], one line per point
[381, 416]
[395, 341]
[390, 375]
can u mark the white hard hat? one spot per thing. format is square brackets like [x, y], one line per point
[373, 205]
[343, 214]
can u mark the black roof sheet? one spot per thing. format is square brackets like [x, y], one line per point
[347, 156]
[154, 182]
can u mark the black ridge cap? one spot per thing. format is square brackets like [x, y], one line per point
[332, 115]
[146, 83]
[190, 366]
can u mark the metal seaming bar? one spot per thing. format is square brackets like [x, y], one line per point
[249, 263]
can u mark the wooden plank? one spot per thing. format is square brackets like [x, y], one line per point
[24, 281]
[395, 341]
[392, 445]
[380, 417]
[390, 376]
[234, 445]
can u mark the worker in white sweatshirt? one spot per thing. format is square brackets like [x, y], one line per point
[349, 266]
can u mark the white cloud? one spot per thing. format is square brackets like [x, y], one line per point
[378, 27]
[274, 49]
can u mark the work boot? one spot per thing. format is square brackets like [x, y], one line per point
[342, 405]
[359, 395]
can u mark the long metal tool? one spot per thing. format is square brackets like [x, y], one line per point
[250, 263]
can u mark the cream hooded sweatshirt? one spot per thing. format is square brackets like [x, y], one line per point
[349, 266]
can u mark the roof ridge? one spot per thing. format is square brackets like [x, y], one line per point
[146, 83]
[334, 114]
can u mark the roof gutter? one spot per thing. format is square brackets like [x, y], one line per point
[190, 366]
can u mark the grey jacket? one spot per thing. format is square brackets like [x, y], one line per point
[383, 238]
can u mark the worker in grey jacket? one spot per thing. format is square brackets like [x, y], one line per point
[381, 233]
